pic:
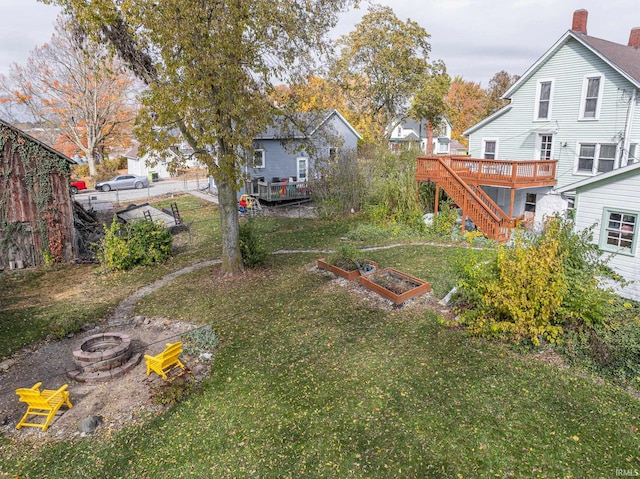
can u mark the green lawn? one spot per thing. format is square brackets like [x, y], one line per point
[310, 380]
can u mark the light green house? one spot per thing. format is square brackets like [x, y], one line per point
[577, 104]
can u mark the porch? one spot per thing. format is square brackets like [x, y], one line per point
[283, 190]
[462, 178]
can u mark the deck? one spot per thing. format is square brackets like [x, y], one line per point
[514, 174]
[282, 191]
[463, 177]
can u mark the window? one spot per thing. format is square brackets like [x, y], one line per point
[258, 159]
[530, 202]
[546, 141]
[596, 158]
[333, 152]
[544, 100]
[489, 150]
[592, 90]
[633, 148]
[606, 158]
[619, 231]
[443, 145]
[586, 158]
[571, 206]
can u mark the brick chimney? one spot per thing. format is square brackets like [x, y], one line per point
[634, 37]
[580, 21]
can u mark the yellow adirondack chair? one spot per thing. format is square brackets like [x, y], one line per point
[42, 403]
[164, 362]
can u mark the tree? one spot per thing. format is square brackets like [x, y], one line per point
[466, 106]
[498, 85]
[78, 89]
[208, 67]
[429, 101]
[379, 65]
[316, 93]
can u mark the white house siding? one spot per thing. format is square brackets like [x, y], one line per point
[140, 166]
[614, 194]
[548, 203]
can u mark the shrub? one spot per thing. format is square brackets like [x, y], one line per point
[105, 171]
[536, 286]
[339, 187]
[114, 164]
[253, 252]
[176, 391]
[127, 246]
[345, 257]
[517, 295]
[392, 200]
[445, 221]
[200, 340]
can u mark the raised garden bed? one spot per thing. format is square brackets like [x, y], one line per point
[394, 285]
[349, 274]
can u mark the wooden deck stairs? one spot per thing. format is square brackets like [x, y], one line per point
[462, 179]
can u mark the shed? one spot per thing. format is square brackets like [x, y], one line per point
[36, 215]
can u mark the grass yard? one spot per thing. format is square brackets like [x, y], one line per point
[311, 380]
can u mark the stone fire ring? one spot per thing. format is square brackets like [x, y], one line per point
[104, 356]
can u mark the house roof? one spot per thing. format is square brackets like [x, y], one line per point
[488, 119]
[35, 140]
[622, 58]
[302, 125]
[633, 169]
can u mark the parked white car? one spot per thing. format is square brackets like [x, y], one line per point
[123, 182]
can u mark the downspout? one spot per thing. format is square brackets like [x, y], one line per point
[627, 129]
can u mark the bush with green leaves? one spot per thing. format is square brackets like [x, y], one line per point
[537, 288]
[253, 252]
[393, 194]
[611, 349]
[126, 246]
[444, 223]
[345, 257]
[200, 340]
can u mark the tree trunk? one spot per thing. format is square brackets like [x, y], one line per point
[92, 165]
[231, 256]
[429, 148]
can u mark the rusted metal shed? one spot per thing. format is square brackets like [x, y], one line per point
[36, 216]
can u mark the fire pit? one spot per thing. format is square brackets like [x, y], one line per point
[104, 356]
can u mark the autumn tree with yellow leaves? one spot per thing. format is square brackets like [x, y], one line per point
[209, 68]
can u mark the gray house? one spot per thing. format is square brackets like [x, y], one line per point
[285, 155]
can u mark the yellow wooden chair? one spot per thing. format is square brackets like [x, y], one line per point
[164, 362]
[42, 403]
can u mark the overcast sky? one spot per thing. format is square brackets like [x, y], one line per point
[475, 38]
